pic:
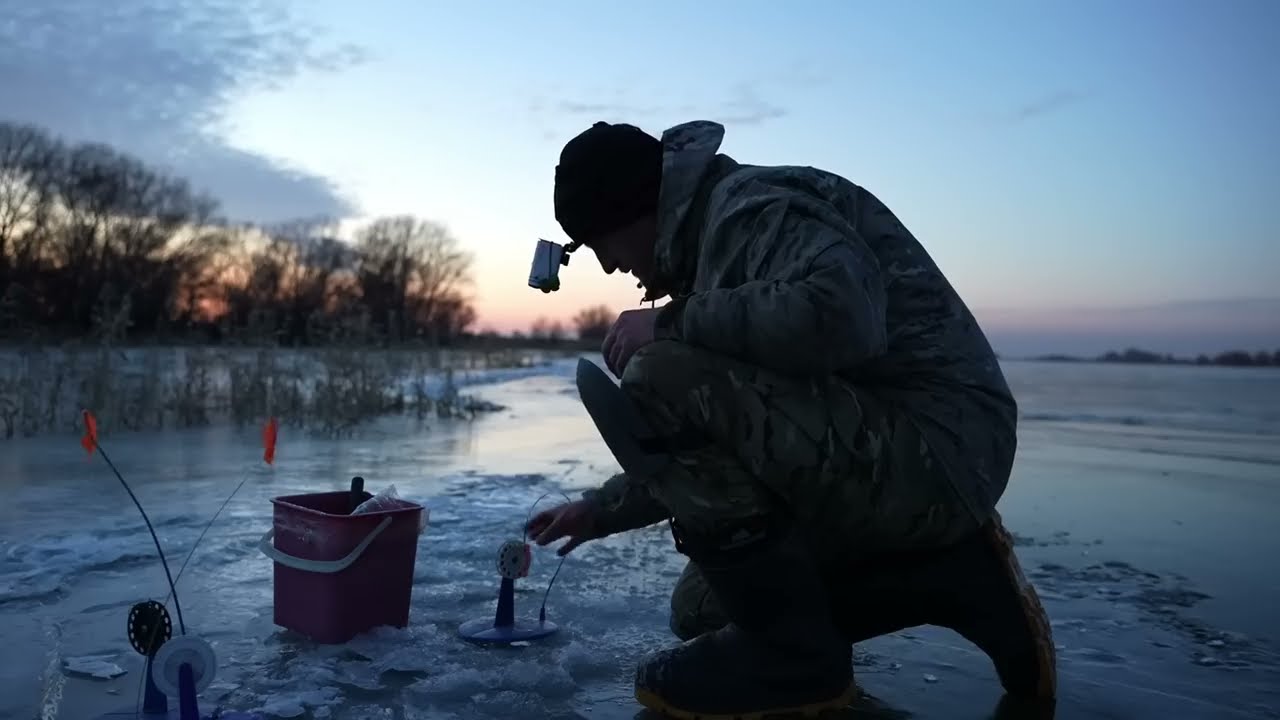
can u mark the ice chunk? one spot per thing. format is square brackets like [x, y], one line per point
[295, 704]
[520, 676]
[98, 667]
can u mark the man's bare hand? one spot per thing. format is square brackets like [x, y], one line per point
[574, 520]
[631, 331]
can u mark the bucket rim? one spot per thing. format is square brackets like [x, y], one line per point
[287, 501]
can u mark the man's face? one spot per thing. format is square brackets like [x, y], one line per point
[628, 249]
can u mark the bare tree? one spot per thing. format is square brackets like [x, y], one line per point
[547, 330]
[411, 272]
[82, 224]
[88, 232]
[312, 263]
[27, 157]
[593, 323]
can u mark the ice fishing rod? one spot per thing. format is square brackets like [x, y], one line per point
[269, 437]
[90, 443]
[173, 591]
[514, 559]
[180, 667]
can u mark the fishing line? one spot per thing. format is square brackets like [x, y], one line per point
[206, 529]
[524, 532]
[212, 520]
[542, 612]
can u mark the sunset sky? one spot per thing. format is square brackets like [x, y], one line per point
[1086, 173]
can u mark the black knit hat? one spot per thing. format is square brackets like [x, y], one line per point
[608, 177]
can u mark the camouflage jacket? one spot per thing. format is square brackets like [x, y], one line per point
[803, 272]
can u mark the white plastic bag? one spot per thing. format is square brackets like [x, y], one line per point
[388, 499]
[385, 500]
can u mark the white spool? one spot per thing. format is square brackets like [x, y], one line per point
[183, 649]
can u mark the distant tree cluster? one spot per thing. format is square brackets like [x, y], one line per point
[1235, 358]
[1232, 357]
[87, 231]
[593, 323]
[547, 330]
[1241, 358]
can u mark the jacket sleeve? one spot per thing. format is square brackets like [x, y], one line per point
[814, 303]
[623, 504]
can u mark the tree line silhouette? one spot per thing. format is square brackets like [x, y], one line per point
[590, 325]
[88, 232]
[1232, 358]
[1235, 358]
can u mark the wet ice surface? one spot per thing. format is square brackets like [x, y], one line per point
[1151, 542]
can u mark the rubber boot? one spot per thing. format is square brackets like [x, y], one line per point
[780, 654]
[998, 610]
[976, 588]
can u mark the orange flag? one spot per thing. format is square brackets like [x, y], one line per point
[89, 441]
[269, 441]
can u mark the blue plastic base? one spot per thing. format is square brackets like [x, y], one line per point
[156, 705]
[483, 631]
[503, 628]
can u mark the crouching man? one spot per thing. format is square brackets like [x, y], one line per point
[815, 411]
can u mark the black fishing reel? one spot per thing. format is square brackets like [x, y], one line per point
[149, 627]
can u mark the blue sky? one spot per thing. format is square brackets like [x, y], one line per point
[1057, 159]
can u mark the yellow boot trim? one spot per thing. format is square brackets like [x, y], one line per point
[1046, 655]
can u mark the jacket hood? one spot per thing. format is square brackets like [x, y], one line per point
[688, 151]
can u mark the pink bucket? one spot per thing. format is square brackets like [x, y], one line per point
[337, 575]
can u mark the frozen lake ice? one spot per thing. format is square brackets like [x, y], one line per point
[1144, 502]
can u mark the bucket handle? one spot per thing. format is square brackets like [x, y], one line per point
[318, 566]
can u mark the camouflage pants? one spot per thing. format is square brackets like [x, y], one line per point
[852, 469]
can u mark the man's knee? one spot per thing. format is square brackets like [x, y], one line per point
[709, 492]
[665, 371]
[677, 385]
[694, 608]
[718, 410]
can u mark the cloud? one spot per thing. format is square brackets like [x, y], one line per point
[153, 78]
[747, 108]
[743, 105]
[571, 107]
[1047, 104]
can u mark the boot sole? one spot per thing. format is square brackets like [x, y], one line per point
[1032, 609]
[656, 704]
